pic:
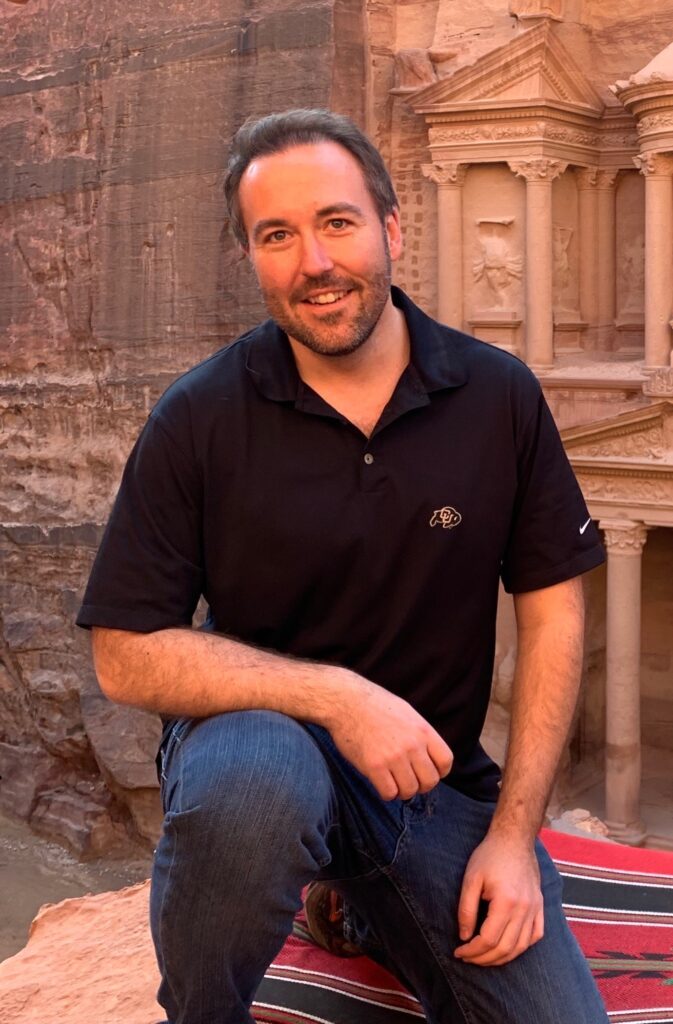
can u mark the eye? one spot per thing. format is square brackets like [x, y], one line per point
[338, 223]
[279, 235]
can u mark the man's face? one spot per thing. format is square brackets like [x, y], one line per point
[320, 252]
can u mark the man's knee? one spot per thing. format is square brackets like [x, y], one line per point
[246, 771]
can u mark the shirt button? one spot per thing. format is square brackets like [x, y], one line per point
[369, 458]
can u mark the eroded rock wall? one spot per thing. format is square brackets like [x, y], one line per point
[116, 273]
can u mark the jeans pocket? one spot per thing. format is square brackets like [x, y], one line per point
[167, 754]
[551, 881]
[421, 806]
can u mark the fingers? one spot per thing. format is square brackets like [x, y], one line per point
[385, 784]
[468, 906]
[411, 773]
[440, 754]
[405, 779]
[507, 932]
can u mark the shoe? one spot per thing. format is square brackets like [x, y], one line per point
[324, 920]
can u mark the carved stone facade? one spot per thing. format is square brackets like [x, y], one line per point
[554, 241]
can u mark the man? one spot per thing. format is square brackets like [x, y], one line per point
[346, 484]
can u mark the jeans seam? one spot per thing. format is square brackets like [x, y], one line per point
[162, 944]
[409, 903]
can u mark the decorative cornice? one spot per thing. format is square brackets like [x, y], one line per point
[623, 537]
[619, 140]
[445, 172]
[650, 123]
[502, 126]
[659, 473]
[638, 97]
[538, 168]
[647, 496]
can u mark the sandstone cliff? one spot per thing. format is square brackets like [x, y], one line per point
[116, 274]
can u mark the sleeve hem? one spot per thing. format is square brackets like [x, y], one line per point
[557, 574]
[122, 618]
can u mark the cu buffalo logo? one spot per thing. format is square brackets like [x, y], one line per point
[446, 517]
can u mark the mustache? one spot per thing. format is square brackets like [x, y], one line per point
[327, 281]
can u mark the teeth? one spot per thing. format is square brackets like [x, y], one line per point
[323, 300]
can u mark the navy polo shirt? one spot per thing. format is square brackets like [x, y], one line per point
[380, 554]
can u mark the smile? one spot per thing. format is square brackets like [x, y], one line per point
[326, 299]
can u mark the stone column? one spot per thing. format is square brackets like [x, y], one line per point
[658, 171]
[539, 175]
[587, 179]
[624, 541]
[449, 178]
[607, 252]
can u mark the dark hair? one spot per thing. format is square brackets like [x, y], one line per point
[277, 132]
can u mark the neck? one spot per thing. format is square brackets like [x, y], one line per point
[383, 355]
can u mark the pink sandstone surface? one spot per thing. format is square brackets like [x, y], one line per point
[87, 959]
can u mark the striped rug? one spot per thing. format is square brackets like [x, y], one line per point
[619, 902]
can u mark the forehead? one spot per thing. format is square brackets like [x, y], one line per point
[300, 180]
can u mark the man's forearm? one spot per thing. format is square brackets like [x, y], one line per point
[197, 674]
[546, 684]
[186, 672]
[503, 869]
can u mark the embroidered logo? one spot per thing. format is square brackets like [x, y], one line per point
[446, 517]
[583, 528]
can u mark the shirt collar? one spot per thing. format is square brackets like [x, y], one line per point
[436, 355]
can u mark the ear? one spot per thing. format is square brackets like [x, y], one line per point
[393, 229]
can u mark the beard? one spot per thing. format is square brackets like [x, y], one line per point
[336, 334]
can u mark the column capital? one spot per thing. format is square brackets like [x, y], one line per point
[607, 179]
[587, 177]
[538, 168]
[624, 536]
[655, 164]
[445, 172]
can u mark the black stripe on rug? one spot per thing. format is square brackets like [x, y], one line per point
[333, 1005]
[592, 892]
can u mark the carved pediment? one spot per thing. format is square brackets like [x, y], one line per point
[534, 67]
[624, 465]
[643, 437]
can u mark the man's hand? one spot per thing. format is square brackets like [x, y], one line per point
[503, 872]
[389, 742]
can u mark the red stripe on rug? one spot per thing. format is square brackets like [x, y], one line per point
[612, 856]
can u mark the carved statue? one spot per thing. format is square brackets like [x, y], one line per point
[413, 69]
[536, 8]
[561, 237]
[496, 263]
[632, 275]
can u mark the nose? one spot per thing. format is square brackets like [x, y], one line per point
[315, 257]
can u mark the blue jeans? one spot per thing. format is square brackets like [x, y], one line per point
[258, 805]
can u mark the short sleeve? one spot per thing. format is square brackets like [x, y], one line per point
[148, 573]
[552, 537]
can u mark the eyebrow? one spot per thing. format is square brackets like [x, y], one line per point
[326, 211]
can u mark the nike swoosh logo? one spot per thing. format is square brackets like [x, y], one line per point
[583, 528]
